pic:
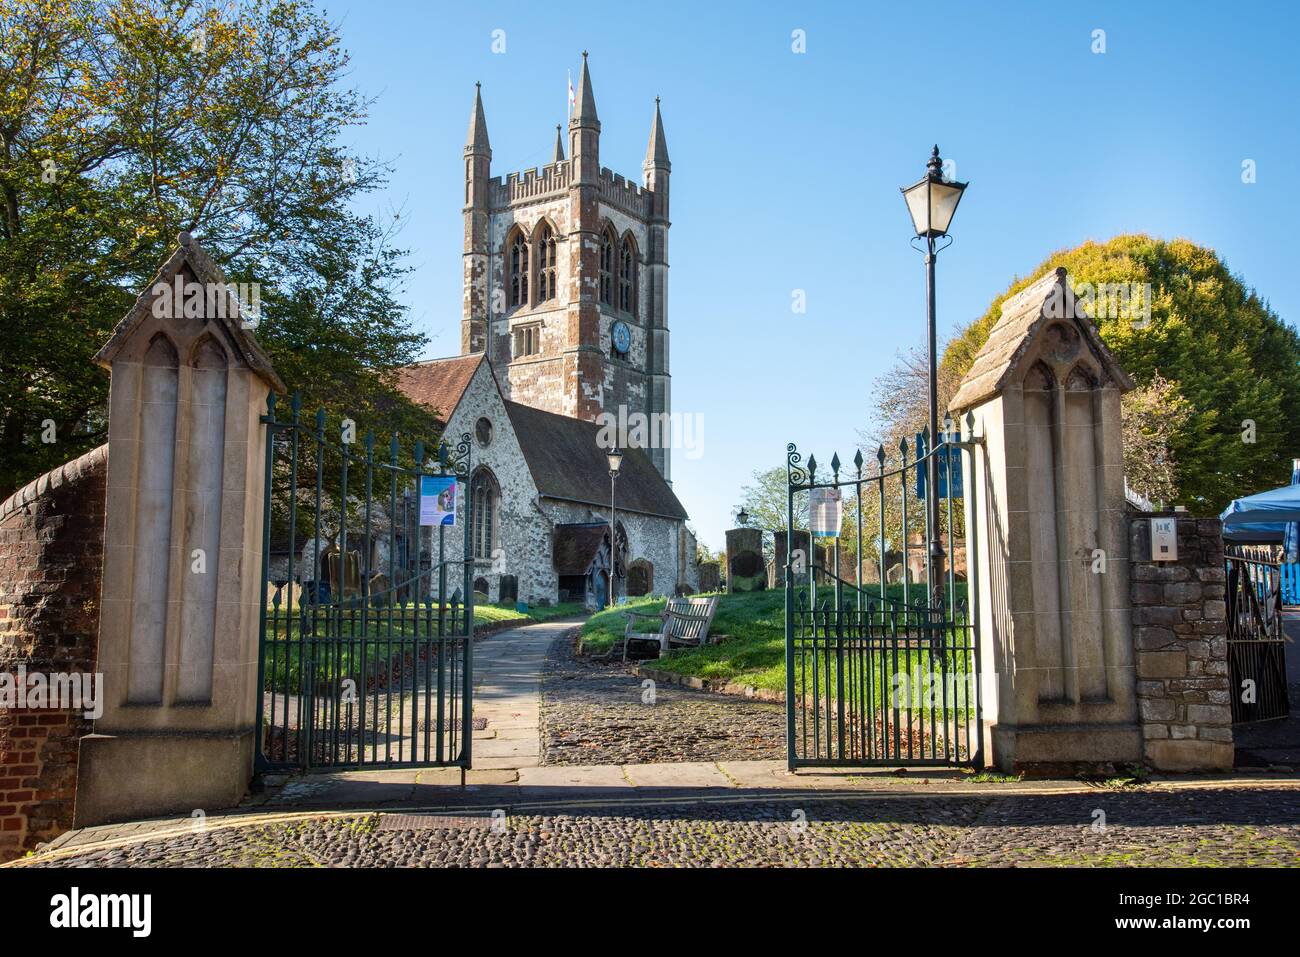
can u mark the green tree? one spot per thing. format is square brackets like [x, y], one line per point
[124, 122]
[1234, 360]
[1152, 414]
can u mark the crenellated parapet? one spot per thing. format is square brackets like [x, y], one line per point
[540, 182]
[623, 193]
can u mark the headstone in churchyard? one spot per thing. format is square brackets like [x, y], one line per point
[802, 554]
[745, 569]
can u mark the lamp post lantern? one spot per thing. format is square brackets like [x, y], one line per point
[615, 458]
[742, 517]
[932, 202]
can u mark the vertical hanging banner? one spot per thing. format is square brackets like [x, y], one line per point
[825, 512]
[437, 500]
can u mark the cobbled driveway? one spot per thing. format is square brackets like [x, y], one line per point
[596, 712]
[1149, 827]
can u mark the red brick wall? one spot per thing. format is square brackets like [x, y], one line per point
[51, 558]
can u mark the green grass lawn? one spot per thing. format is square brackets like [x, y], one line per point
[753, 651]
[341, 653]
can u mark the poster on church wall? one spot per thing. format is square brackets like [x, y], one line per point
[437, 500]
[825, 512]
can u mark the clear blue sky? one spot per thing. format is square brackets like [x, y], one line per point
[786, 169]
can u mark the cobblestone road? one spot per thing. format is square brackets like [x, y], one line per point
[1150, 827]
[593, 712]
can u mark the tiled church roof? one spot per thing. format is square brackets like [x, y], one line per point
[576, 547]
[566, 463]
[439, 383]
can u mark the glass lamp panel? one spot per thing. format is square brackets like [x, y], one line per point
[944, 198]
[918, 206]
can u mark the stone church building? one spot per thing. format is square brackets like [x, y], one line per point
[564, 320]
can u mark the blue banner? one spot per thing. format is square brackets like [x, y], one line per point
[949, 462]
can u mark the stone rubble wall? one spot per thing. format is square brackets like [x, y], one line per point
[51, 562]
[1181, 644]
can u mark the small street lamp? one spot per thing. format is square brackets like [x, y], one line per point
[615, 458]
[742, 517]
[932, 202]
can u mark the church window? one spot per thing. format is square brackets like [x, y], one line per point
[485, 495]
[527, 340]
[607, 269]
[546, 290]
[518, 270]
[626, 276]
[483, 431]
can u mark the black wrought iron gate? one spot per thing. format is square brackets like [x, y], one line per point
[1256, 641]
[366, 657]
[885, 673]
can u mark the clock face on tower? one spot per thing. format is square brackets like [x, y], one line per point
[622, 336]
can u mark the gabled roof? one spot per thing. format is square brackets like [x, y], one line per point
[240, 335]
[576, 547]
[1024, 315]
[439, 383]
[567, 463]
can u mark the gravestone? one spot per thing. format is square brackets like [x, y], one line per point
[509, 590]
[745, 568]
[803, 554]
[710, 573]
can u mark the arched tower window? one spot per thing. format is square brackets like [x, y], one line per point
[626, 276]
[518, 269]
[485, 495]
[607, 268]
[546, 290]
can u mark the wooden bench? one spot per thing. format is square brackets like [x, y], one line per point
[685, 622]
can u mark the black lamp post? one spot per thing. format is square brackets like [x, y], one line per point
[931, 204]
[742, 517]
[615, 458]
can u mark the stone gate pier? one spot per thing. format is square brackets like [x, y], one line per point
[179, 600]
[1075, 674]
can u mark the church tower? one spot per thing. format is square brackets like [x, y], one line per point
[566, 275]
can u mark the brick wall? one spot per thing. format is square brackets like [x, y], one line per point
[1180, 634]
[51, 555]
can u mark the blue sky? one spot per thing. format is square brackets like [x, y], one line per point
[786, 169]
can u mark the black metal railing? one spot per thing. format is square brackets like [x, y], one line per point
[366, 655]
[1256, 640]
[881, 673]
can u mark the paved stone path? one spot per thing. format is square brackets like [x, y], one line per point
[600, 712]
[1152, 826]
[507, 689]
[535, 800]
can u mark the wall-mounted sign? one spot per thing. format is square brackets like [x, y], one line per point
[437, 500]
[825, 512]
[949, 462]
[1164, 540]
